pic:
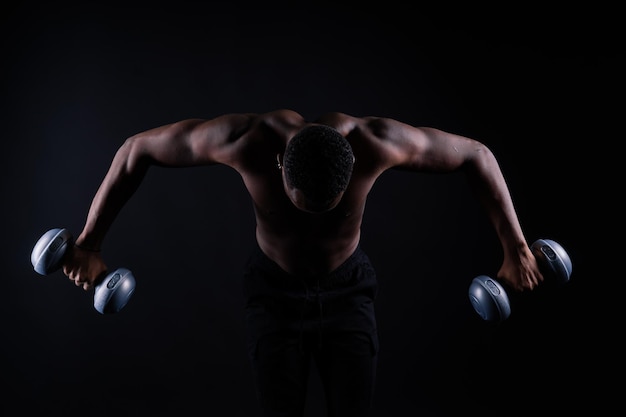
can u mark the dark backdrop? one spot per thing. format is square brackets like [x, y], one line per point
[78, 80]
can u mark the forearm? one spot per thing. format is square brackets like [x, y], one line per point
[126, 172]
[519, 267]
[489, 185]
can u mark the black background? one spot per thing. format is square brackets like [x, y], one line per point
[537, 87]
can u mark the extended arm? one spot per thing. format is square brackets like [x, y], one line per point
[432, 150]
[186, 143]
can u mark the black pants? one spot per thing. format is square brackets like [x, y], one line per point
[328, 320]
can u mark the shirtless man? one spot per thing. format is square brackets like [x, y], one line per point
[309, 288]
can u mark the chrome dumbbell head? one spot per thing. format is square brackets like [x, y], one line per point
[47, 255]
[112, 294]
[489, 299]
[553, 260]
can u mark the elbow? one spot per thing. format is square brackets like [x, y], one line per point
[479, 159]
[132, 156]
[481, 154]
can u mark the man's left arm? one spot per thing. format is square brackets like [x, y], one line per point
[433, 150]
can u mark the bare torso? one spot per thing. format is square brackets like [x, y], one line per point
[300, 242]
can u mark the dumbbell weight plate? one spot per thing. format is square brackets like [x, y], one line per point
[553, 259]
[489, 299]
[112, 294]
[48, 252]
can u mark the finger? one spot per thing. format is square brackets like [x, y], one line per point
[72, 275]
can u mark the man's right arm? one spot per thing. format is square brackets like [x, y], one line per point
[186, 143]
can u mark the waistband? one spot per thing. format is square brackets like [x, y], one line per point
[340, 276]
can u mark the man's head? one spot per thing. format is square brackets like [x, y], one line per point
[317, 166]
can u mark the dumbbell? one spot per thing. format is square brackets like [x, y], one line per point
[110, 295]
[488, 296]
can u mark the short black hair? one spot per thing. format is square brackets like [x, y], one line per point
[318, 161]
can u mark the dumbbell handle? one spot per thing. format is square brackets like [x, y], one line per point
[110, 295]
[488, 296]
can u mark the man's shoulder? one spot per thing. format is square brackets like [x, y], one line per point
[281, 116]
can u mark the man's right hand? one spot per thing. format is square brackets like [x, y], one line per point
[84, 267]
